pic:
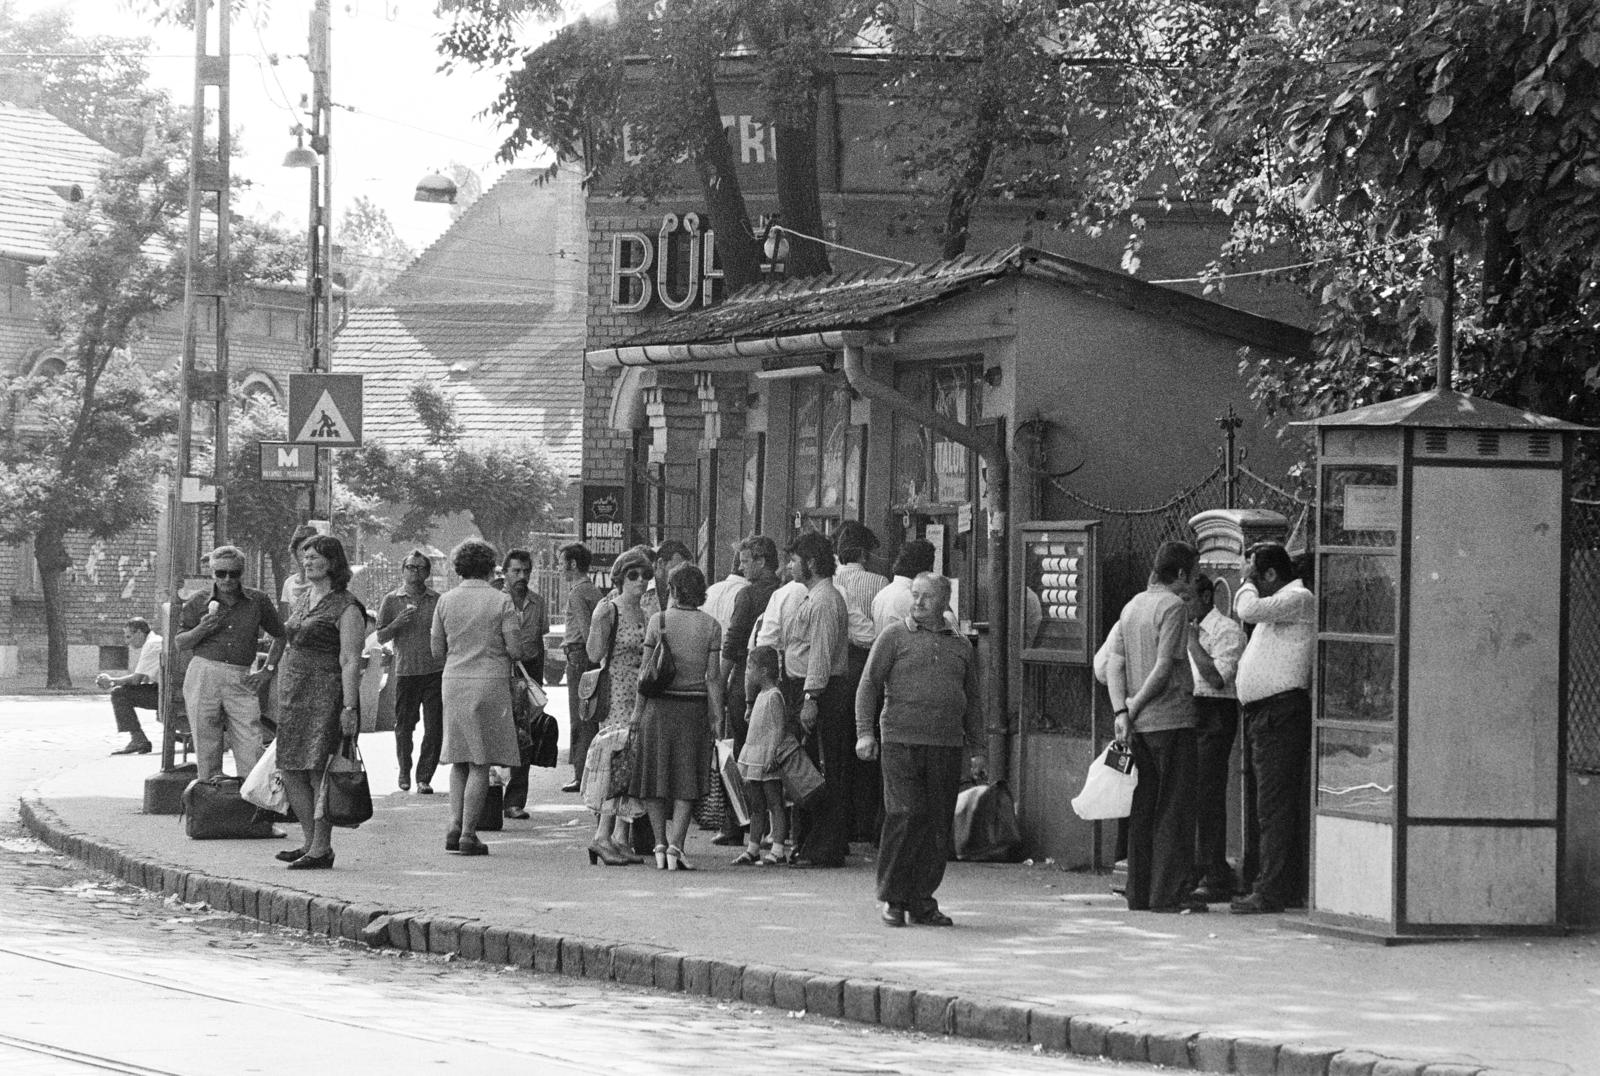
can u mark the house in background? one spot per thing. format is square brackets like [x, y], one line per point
[45, 165]
[493, 315]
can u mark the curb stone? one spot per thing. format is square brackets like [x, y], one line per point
[882, 1004]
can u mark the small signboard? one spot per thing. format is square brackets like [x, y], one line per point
[602, 527]
[284, 461]
[325, 410]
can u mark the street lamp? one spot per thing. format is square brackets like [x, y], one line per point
[299, 157]
[437, 188]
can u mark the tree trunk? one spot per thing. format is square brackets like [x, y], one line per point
[50, 555]
[958, 215]
[799, 200]
[737, 249]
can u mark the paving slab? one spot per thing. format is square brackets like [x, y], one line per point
[1027, 937]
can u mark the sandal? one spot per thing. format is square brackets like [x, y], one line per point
[747, 858]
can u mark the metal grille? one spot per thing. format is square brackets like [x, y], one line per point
[1583, 638]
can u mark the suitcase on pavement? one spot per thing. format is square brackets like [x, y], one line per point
[214, 810]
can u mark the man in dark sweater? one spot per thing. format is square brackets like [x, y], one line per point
[927, 677]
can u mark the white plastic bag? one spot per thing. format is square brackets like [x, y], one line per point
[1107, 792]
[264, 787]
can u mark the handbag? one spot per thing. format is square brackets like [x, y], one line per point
[624, 761]
[546, 741]
[264, 786]
[658, 670]
[986, 828]
[343, 798]
[802, 781]
[727, 765]
[1108, 788]
[711, 810]
[214, 810]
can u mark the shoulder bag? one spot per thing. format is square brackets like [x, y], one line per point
[658, 670]
[343, 798]
[593, 695]
[214, 810]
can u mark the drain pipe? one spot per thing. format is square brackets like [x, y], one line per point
[995, 458]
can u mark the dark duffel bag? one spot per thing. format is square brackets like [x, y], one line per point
[214, 810]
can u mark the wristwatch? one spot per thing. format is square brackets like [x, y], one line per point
[813, 696]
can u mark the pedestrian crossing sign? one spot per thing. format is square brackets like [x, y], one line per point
[325, 410]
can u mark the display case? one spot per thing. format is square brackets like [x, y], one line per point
[1059, 603]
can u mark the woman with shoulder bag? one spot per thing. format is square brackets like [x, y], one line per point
[319, 690]
[675, 722]
[616, 642]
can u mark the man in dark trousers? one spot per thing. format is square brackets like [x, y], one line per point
[405, 618]
[582, 597]
[927, 677]
[758, 556]
[1152, 696]
[533, 622]
[137, 690]
[813, 640]
[1273, 683]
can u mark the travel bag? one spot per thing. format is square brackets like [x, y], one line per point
[213, 809]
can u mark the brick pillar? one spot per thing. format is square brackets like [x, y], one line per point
[675, 428]
[722, 405]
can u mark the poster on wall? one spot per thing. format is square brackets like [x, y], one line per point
[603, 527]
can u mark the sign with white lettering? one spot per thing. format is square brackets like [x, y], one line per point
[676, 267]
[284, 461]
[325, 410]
[602, 526]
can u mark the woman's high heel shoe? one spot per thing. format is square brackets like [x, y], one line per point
[622, 851]
[675, 860]
[600, 852]
[661, 857]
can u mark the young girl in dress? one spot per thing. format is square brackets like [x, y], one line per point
[760, 763]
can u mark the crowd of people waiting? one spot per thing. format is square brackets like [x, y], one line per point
[810, 658]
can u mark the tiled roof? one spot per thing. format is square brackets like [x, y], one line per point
[38, 153]
[513, 369]
[876, 298]
[1444, 409]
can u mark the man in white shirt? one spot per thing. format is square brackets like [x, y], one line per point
[721, 595]
[137, 690]
[1215, 644]
[1274, 688]
[893, 603]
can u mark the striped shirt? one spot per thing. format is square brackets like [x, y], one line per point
[858, 587]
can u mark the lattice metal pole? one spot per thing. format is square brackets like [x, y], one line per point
[205, 288]
[319, 265]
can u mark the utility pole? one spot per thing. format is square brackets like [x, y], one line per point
[319, 262]
[205, 292]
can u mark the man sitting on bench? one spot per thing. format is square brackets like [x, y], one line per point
[138, 690]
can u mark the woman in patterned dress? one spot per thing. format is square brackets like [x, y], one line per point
[319, 690]
[476, 633]
[618, 630]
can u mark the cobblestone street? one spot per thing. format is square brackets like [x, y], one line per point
[177, 988]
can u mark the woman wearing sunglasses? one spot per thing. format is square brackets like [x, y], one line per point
[616, 640]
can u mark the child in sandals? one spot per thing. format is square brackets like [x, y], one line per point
[769, 740]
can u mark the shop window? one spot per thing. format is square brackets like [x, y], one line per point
[936, 483]
[827, 453]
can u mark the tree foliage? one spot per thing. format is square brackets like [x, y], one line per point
[1379, 138]
[508, 486]
[572, 94]
[96, 83]
[374, 253]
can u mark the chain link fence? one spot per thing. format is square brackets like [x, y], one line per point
[1583, 637]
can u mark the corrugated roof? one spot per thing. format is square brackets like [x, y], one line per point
[513, 369]
[876, 298]
[38, 153]
[1445, 410]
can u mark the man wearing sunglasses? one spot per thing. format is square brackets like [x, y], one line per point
[221, 627]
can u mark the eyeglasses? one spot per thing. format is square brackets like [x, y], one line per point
[633, 575]
[229, 573]
[416, 567]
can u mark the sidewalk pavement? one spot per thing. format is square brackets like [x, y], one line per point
[1038, 955]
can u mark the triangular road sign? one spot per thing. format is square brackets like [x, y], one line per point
[325, 423]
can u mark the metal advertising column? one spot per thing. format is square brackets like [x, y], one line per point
[1440, 711]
